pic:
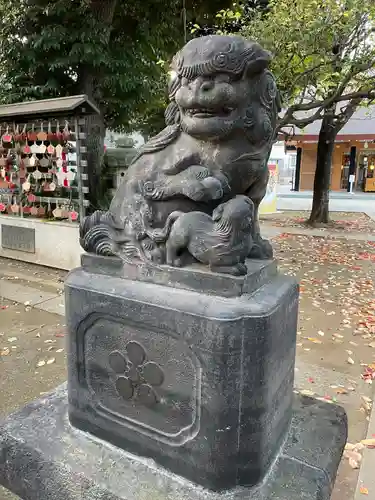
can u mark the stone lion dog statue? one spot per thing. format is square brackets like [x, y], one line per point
[220, 127]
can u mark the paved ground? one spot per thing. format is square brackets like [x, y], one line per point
[29, 336]
[339, 201]
[336, 328]
[336, 334]
[285, 190]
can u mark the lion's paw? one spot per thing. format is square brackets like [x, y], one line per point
[236, 270]
[261, 249]
[175, 262]
[205, 190]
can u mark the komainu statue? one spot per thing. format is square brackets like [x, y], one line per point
[210, 161]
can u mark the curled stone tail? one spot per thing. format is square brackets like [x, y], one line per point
[97, 233]
[161, 235]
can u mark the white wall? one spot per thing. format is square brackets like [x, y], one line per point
[56, 243]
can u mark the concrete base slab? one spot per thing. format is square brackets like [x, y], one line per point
[43, 457]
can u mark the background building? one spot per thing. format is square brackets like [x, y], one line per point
[354, 154]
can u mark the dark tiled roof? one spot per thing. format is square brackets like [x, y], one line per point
[361, 123]
[60, 105]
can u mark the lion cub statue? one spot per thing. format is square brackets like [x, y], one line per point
[222, 241]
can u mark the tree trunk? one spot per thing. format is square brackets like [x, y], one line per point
[332, 123]
[89, 83]
[95, 130]
[322, 179]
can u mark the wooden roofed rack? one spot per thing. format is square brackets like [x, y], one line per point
[43, 157]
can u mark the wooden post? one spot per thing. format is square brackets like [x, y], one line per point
[297, 175]
[352, 164]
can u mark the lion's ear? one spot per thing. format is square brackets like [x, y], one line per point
[217, 213]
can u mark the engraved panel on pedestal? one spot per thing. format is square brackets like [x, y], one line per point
[147, 380]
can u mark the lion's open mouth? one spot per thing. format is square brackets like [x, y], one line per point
[208, 113]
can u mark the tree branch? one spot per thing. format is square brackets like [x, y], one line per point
[291, 120]
[362, 94]
[346, 114]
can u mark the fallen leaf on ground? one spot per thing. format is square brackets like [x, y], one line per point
[59, 350]
[354, 446]
[12, 339]
[341, 391]
[50, 361]
[5, 351]
[366, 399]
[353, 463]
[350, 361]
[363, 490]
[306, 392]
[325, 400]
[314, 340]
[368, 442]
[41, 363]
[354, 455]
[369, 374]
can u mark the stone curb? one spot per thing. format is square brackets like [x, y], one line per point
[12, 275]
[46, 301]
[366, 472]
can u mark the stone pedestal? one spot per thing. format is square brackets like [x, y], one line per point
[193, 389]
[202, 384]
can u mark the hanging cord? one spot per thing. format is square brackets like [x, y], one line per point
[184, 19]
